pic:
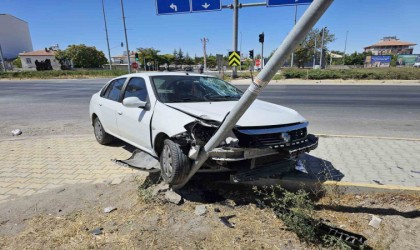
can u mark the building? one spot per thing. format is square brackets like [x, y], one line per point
[122, 59]
[14, 36]
[391, 45]
[29, 58]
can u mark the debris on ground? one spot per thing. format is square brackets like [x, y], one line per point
[217, 210]
[109, 209]
[375, 222]
[301, 167]
[116, 181]
[16, 132]
[160, 188]
[200, 210]
[173, 197]
[226, 222]
[96, 231]
[140, 161]
[378, 182]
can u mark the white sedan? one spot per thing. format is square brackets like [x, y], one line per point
[171, 116]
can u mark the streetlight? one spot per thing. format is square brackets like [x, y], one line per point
[293, 53]
[126, 40]
[107, 40]
[345, 46]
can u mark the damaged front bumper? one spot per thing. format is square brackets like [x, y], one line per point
[289, 150]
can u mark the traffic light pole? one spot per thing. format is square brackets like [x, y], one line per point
[299, 31]
[262, 55]
[235, 34]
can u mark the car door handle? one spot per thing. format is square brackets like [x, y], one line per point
[120, 112]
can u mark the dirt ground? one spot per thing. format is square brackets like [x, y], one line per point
[64, 219]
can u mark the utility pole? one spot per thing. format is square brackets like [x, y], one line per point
[126, 40]
[107, 40]
[205, 41]
[2, 59]
[313, 64]
[345, 46]
[235, 34]
[293, 53]
[305, 24]
[322, 46]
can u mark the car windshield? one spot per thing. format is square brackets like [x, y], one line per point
[175, 88]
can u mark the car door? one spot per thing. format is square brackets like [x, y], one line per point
[108, 103]
[134, 123]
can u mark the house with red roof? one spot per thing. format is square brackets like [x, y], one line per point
[391, 45]
[30, 59]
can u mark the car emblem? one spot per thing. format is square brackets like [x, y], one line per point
[285, 136]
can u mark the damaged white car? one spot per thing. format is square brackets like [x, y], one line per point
[171, 116]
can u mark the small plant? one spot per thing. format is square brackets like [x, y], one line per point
[145, 191]
[297, 211]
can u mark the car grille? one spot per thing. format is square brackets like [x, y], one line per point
[252, 138]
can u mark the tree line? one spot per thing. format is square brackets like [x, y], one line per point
[307, 52]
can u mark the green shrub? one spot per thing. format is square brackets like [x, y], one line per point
[357, 74]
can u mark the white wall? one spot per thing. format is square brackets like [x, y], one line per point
[54, 63]
[14, 36]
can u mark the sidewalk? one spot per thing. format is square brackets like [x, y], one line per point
[34, 165]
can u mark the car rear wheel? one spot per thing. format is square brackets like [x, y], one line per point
[101, 136]
[174, 163]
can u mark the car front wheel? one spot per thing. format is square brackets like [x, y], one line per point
[174, 163]
[101, 136]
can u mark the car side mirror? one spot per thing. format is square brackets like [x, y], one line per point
[134, 102]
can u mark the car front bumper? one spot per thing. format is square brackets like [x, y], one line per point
[290, 150]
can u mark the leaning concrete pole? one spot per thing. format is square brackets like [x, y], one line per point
[302, 28]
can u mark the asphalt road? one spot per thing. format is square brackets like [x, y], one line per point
[44, 107]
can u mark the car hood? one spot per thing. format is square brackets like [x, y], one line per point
[260, 113]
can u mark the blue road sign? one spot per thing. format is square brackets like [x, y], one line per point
[206, 5]
[287, 2]
[172, 6]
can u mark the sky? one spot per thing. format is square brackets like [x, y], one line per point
[81, 22]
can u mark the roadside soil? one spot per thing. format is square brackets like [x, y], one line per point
[64, 218]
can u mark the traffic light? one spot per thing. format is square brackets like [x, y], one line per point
[261, 39]
[251, 54]
[136, 56]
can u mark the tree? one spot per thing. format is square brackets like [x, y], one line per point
[82, 56]
[148, 55]
[304, 52]
[356, 58]
[17, 62]
[188, 60]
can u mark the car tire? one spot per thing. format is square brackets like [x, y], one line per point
[175, 164]
[101, 136]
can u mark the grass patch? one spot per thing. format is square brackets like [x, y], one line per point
[61, 74]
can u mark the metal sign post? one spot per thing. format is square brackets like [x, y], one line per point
[297, 34]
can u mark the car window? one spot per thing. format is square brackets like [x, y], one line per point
[114, 89]
[177, 88]
[136, 87]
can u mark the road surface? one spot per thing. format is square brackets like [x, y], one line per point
[45, 107]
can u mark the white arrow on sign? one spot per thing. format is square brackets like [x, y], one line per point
[174, 7]
[206, 5]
